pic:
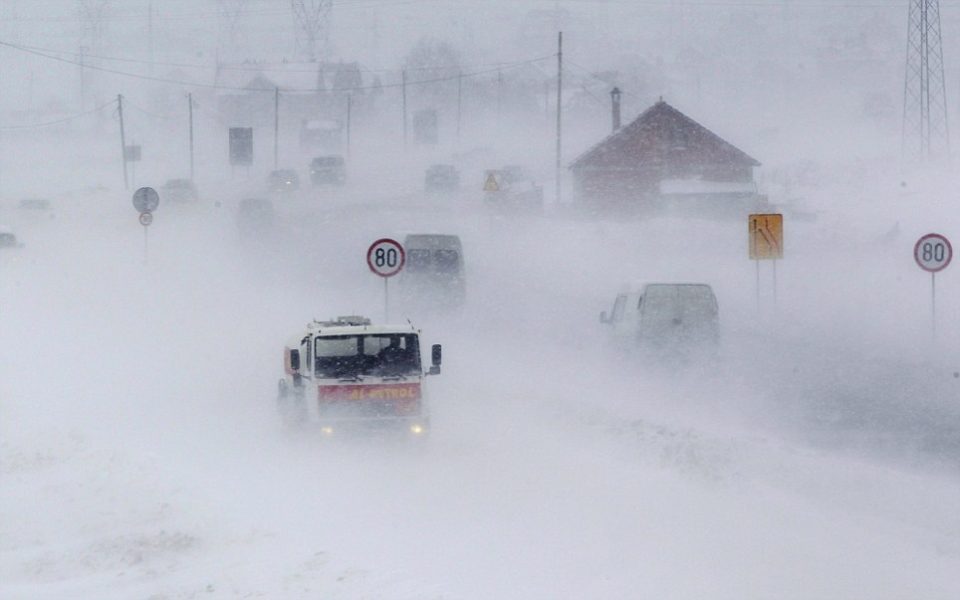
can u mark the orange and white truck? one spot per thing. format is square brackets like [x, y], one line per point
[347, 373]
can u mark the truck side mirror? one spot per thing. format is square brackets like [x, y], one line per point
[435, 356]
[294, 359]
[604, 318]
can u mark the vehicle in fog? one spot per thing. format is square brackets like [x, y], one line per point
[283, 180]
[513, 189]
[320, 135]
[328, 170]
[8, 239]
[441, 179]
[179, 191]
[347, 373]
[666, 316]
[255, 215]
[39, 204]
[433, 276]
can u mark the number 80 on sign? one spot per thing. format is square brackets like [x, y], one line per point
[386, 257]
[933, 252]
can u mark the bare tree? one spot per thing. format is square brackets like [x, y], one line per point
[229, 12]
[312, 22]
[94, 13]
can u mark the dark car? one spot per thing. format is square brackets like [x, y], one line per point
[255, 215]
[283, 180]
[179, 191]
[328, 170]
[8, 239]
[442, 178]
[35, 204]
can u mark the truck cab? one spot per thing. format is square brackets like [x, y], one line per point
[347, 373]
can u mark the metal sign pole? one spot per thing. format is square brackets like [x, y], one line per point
[757, 262]
[933, 305]
[386, 300]
[774, 283]
[146, 247]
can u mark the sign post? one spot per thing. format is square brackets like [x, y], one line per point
[766, 243]
[386, 258]
[146, 200]
[933, 253]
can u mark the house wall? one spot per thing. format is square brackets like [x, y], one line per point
[639, 189]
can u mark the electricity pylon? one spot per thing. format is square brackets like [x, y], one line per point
[925, 132]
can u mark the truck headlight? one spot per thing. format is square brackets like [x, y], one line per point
[416, 429]
[326, 430]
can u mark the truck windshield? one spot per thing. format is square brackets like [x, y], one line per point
[379, 355]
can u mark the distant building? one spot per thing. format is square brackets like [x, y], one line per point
[308, 92]
[665, 162]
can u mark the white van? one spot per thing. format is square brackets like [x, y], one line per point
[673, 316]
[433, 276]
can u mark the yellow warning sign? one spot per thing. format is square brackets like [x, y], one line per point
[491, 184]
[766, 236]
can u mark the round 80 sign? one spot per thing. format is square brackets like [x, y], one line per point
[933, 252]
[386, 257]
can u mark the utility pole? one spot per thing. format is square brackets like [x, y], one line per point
[403, 87]
[500, 96]
[925, 132]
[123, 142]
[459, 102]
[559, 107]
[190, 102]
[83, 90]
[150, 34]
[349, 103]
[276, 126]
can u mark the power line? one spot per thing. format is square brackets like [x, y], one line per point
[269, 89]
[59, 121]
[253, 68]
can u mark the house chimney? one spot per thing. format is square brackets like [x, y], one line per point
[615, 97]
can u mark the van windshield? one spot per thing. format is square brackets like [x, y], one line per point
[378, 355]
[691, 303]
[441, 261]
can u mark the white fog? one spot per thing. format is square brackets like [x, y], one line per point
[804, 445]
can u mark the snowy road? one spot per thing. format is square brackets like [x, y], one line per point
[140, 456]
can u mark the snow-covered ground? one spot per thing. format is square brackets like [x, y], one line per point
[141, 457]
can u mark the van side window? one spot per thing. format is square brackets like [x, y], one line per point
[618, 306]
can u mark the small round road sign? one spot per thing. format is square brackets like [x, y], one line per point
[933, 252]
[146, 219]
[146, 200]
[386, 257]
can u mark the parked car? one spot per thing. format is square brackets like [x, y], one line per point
[35, 204]
[179, 191]
[442, 178]
[328, 170]
[512, 189]
[283, 180]
[666, 316]
[255, 215]
[8, 239]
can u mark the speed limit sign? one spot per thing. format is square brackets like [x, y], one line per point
[933, 252]
[386, 257]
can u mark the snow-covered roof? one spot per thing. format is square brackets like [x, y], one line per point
[661, 134]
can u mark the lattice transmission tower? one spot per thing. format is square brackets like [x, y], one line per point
[925, 131]
[312, 22]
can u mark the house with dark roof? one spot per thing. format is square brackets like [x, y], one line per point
[664, 161]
